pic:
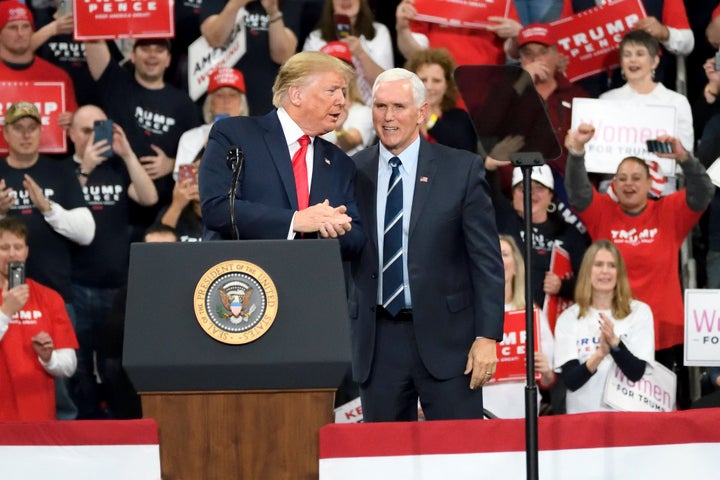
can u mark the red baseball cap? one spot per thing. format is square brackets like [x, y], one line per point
[338, 50]
[536, 33]
[226, 77]
[11, 11]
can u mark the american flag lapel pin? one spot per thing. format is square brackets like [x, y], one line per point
[423, 179]
[327, 161]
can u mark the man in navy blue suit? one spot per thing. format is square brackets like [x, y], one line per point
[273, 199]
[432, 333]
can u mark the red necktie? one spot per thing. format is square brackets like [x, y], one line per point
[300, 171]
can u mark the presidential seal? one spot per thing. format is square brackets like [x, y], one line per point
[235, 302]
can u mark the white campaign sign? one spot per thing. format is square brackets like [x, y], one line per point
[621, 129]
[702, 327]
[202, 58]
[654, 392]
[350, 412]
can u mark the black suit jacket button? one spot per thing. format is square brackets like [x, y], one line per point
[374, 276]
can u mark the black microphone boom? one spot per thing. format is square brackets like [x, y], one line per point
[234, 160]
[234, 157]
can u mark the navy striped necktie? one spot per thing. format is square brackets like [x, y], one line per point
[393, 297]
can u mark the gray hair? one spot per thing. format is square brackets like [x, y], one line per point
[395, 74]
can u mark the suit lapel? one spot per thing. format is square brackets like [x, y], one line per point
[426, 170]
[275, 141]
[322, 173]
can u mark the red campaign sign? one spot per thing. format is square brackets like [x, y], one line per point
[511, 351]
[49, 98]
[468, 14]
[104, 19]
[591, 38]
[560, 265]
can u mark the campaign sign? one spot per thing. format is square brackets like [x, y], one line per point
[203, 59]
[619, 135]
[702, 327]
[591, 38]
[467, 14]
[511, 351]
[104, 19]
[49, 98]
[554, 304]
[350, 412]
[654, 392]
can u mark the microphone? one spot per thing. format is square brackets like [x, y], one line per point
[234, 158]
[234, 161]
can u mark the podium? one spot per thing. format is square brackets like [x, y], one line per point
[231, 411]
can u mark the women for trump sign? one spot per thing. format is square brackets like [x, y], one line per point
[702, 327]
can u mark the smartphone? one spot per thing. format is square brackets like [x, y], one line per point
[16, 274]
[343, 25]
[104, 131]
[188, 171]
[654, 146]
[65, 7]
[717, 61]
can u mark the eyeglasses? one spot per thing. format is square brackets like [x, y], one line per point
[25, 130]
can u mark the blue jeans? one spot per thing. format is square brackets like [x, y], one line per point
[92, 306]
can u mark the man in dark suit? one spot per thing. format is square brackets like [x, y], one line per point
[287, 185]
[426, 307]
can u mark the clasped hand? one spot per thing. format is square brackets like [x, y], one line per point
[330, 222]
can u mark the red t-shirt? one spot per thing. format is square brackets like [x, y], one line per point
[650, 245]
[42, 71]
[27, 391]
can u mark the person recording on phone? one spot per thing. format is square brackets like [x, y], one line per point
[110, 174]
[370, 44]
[289, 181]
[37, 341]
[184, 214]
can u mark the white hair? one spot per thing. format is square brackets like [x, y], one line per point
[395, 74]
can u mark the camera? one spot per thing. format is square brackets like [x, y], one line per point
[16, 274]
[342, 25]
[103, 130]
[65, 7]
[654, 146]
[187, 172]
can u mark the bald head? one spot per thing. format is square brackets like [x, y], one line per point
[81, 127]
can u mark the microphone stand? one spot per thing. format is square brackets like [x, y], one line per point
[507, 106]
[526, 161]
[235, 160]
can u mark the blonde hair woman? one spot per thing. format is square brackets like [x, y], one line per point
[605, 327]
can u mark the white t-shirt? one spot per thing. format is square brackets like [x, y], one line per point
[578, 338]
[189, 145]
[360, 117]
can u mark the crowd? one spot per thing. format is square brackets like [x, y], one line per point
[159, 169]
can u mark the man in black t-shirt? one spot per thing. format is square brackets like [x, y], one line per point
[152, 113]
[271, 38]
[46, 195]
[110, 174]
